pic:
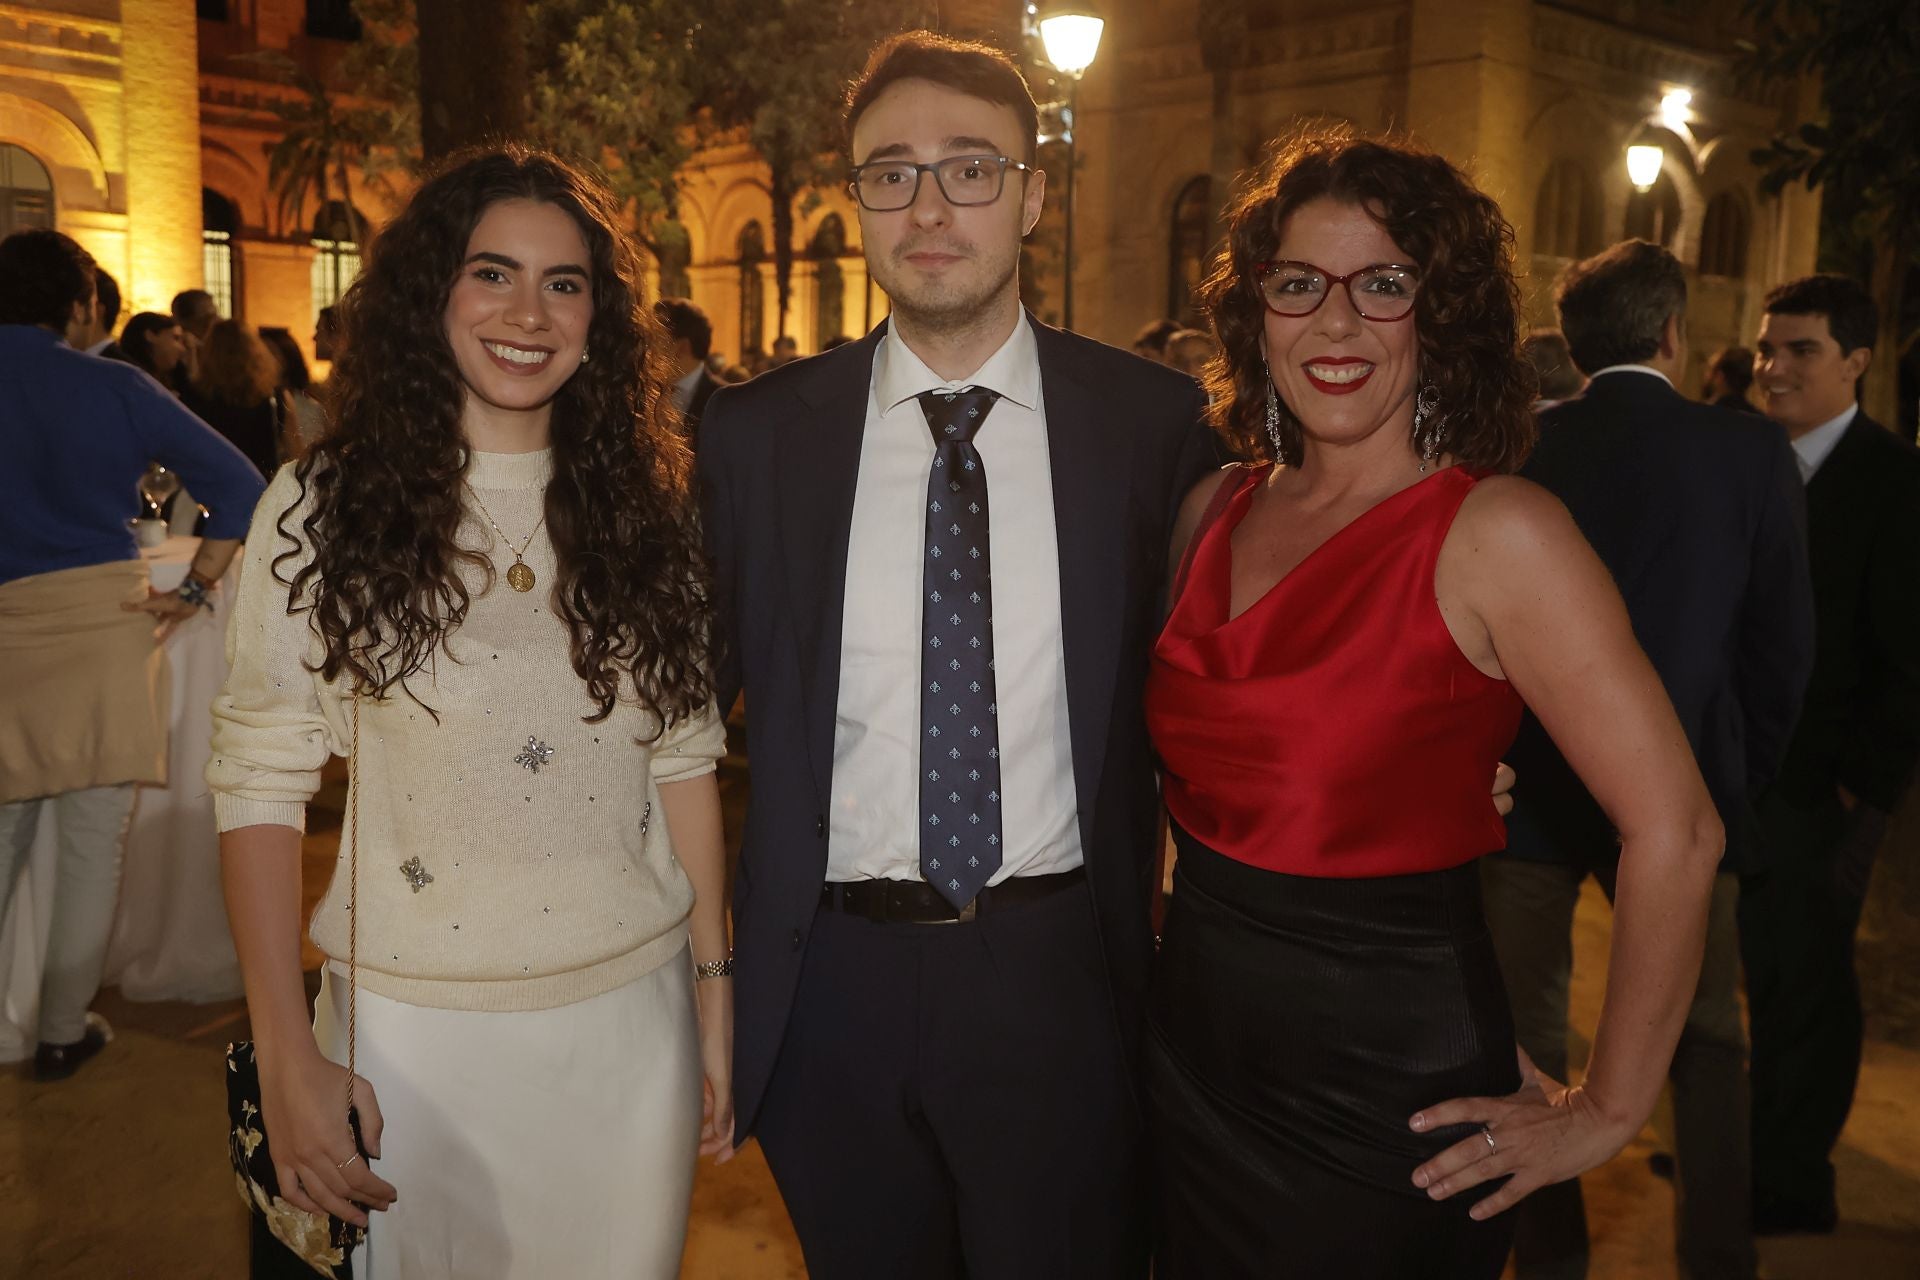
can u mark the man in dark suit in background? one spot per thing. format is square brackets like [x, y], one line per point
[691, 333]
[1729, 374]
[1698, 514]
[1852, 756]
[941, 908]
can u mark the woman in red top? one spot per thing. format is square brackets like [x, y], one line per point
[1358, 618]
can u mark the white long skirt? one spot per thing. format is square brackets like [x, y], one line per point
[537, 1145]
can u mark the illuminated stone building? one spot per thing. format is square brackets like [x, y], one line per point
[143, 129]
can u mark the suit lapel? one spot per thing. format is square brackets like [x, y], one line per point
[818, 456]
[1090, 505]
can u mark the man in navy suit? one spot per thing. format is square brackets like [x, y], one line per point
[1852, 756]
[939, 556]
[1697, 512]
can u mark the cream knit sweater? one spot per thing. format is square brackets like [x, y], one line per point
[547, 885]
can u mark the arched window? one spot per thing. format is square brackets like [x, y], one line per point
[219, 224]
[336, 253]
[830, 316]
[1566, 216]
[1723, 236]
[1187, 250]
[1654, 214]
[753, 252]
[26, 192]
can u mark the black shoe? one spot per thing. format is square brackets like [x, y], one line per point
[1773, 1216]
[58, 1061]
[1660, 1165]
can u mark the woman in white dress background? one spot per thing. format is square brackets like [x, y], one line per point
[490, 572]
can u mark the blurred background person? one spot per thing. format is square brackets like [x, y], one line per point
[785, 351]
[1853, 754]
[196, 311]
[237, 392]
[1151, 342]
[309, 416]
[106, 314]
[87, 686]
[690, 334]
[1729, 374]
[1188, 350]
[1699, 518]
[1546, 350]
[152, 341]
[837, 340]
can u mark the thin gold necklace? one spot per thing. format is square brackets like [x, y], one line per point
[519, 575]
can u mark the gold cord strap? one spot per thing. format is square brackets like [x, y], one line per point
[353, 898]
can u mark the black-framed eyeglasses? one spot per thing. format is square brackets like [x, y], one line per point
[885, 186]
[1383, 291]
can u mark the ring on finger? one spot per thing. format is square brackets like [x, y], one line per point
[1486, 1131]
[349, 1160]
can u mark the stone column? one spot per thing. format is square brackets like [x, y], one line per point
[160, 78]
[1468, 89]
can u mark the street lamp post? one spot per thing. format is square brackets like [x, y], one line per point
[1070, 33]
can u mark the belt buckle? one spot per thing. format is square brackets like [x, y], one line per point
[968, 912]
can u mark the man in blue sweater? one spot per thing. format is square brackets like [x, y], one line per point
[83, 706]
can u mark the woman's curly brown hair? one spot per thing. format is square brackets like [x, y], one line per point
[1466, 315]
[386, 480]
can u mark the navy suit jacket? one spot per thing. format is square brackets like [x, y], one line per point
[779, 460]
[1861, 727]
[1700, 515]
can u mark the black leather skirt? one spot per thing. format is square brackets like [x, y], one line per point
[1297, 1025]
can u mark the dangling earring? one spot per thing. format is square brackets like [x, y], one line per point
[584, 357]
[1426, 425]
[1273, 417]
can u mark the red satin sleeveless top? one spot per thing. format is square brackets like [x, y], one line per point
[1334, 728]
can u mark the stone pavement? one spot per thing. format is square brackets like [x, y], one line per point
[121, 1172]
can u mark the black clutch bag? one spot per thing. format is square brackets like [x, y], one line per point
[282, 1233]
[320, 1240]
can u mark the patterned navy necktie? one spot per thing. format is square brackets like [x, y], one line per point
[959, 717]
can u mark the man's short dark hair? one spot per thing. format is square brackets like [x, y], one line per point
[1848, 307]
[683, 318]
[1547, 350]
[106, 292]
[188, 302]
[965, 66]
[42, 274]
[1615, 305]
[1734, 365]
[1154, 336]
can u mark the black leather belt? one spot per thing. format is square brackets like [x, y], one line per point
[916, 902]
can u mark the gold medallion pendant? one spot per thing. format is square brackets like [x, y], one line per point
[519, 577]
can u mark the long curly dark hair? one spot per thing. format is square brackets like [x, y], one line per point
[1467, 314]
[385, 482]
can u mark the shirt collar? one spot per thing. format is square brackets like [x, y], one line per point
[1013, 371]
[1815, 445]
[686, 384]
[100, 346]
[1634, 368]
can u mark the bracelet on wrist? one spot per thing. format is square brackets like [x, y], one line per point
[713, 969]
[195, 592]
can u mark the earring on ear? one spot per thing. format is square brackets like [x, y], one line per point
[584, 357]
[1427, 422]
[1273, 417]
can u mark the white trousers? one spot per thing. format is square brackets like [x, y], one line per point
[92, 834]
[538, 1145]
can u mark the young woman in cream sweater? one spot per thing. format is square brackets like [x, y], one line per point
[489, 573]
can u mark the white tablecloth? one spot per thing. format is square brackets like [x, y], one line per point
[170, 939]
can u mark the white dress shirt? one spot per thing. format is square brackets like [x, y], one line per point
[1811, 449]
[685, 385]
[874, 828]
[1633, 368]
